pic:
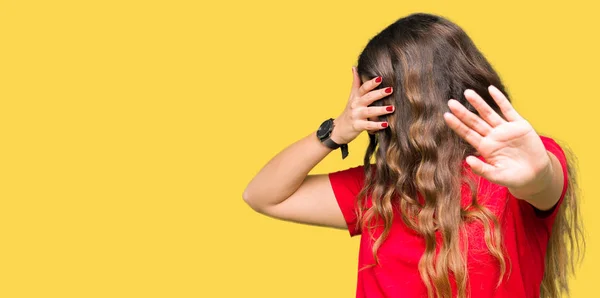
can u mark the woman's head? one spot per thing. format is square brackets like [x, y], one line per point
[428, 60]
[425, 52]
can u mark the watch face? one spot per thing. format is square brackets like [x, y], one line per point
[325, 129]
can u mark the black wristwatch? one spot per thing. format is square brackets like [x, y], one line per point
[324, 135]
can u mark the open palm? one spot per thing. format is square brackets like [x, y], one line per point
[513, 153]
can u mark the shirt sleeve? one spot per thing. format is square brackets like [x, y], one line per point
[346, 186]
[549, 215]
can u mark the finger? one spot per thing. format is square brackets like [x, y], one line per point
[369, 85]
[485, 111]
[469, 135]
[507, 109]
[374, 96]
[469, 118]
[367, 112]
[370, 125]
[481, 168]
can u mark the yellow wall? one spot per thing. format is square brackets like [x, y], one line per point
[129, 129]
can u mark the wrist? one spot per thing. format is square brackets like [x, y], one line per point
[542, 181]
[335, 133]
[328, 134]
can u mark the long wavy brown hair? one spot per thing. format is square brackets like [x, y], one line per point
[419, 160]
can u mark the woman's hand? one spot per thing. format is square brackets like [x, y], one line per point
[514, 154]
[355, 117]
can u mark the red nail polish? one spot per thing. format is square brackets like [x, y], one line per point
[384, 124]
[389, 108]
[388, 90]
[378, 80]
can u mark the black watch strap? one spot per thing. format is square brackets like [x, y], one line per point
[344, 149]
[333, 145]
[324, 135]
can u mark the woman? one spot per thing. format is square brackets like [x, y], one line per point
[463, 198]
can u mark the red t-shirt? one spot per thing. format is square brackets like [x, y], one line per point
[525, 236]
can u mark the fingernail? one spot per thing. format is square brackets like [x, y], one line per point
[389, 108]
[384, 124]
[378, 80]
[388, 90]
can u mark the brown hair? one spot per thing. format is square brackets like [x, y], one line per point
[428, 60]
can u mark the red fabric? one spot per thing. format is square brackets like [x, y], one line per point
[525, 235]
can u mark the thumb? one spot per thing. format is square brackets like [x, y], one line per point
[355, 79]
[479, 167]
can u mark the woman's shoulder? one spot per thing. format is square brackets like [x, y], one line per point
[357, 171]
[352, 179]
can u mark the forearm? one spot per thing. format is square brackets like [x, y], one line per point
[285, 172]
[283, 175]
[545, 191]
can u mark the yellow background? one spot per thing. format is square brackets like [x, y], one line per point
[129, 129]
